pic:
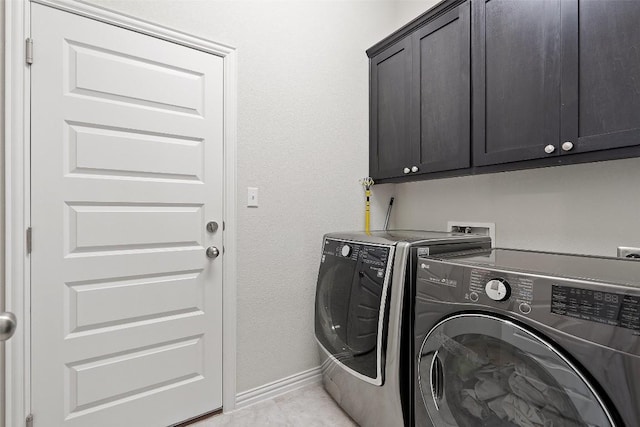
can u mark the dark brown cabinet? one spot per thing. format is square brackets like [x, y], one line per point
[441, 101]
[516, 79]
[420, 100]
[390, 106]
[494, 85]
[601, 78]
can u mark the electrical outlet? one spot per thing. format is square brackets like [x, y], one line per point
[627, 252]
[470, 227]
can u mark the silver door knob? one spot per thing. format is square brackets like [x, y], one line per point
[212, 252]
[8, 325]
[414, 169]
[567, 146]
[549, 149]
[212, 226]
[406, 170]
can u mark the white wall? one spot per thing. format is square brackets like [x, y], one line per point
[407, 10]
[590, 208]
[302, 139]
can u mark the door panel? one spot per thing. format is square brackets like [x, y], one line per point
[390, 108]
[126, 160]
[516, 79]
[442, 103]
[601, 89]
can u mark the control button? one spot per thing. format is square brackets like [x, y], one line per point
[346, 250]
[498, 289]
[473, 296]
[524, 308]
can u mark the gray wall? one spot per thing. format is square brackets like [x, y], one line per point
[302, 139]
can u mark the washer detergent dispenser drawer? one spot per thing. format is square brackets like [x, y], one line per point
[350, 302]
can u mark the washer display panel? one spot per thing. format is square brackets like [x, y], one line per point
[480, 370]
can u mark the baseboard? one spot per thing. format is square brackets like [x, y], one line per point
[276, 388]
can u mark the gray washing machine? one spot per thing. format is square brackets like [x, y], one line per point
[362, 318]
[521, 338]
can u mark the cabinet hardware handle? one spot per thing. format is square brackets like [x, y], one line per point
[549, 149]
[406, 170]
[414, 169]
[567, 146]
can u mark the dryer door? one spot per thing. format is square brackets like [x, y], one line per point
[350, 305]
[480, 370]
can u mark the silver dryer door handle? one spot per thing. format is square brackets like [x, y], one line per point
[8, 325]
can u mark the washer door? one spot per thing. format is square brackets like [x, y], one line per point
[480, 370]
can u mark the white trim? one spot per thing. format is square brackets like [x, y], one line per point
[17, 185]
[229, 259]
[17, 173]
[118, 19]
[279, 387]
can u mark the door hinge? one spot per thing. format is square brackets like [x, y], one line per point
[28, 51]
[29, 240]
[29, 421]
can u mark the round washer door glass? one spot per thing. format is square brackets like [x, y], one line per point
[479, 370]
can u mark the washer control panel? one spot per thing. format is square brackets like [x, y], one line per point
[498, 289]
[501, 287]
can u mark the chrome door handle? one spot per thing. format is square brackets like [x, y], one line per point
[8, 325]
[212, 252]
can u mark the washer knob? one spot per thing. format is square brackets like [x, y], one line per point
[549, 149]
[346, 250]
[498, 289]
[406, 170]
[414, 169]
[567, 146]
[524, 308]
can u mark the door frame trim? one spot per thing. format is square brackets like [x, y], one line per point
[17, 188]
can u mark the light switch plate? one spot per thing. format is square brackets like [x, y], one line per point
[252, 197]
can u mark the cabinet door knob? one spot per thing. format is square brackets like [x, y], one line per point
[567, 146]
[406, 170]
[549, 149]
[414, 169]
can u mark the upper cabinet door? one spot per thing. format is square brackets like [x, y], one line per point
[390, 139]
[601, 75]
[516, 78]
[442, 92]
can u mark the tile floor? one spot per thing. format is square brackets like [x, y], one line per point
[309, 406]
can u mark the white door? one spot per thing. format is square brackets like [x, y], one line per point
[126, 161]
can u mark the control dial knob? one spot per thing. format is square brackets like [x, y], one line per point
[498, 289]
[346, 250]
